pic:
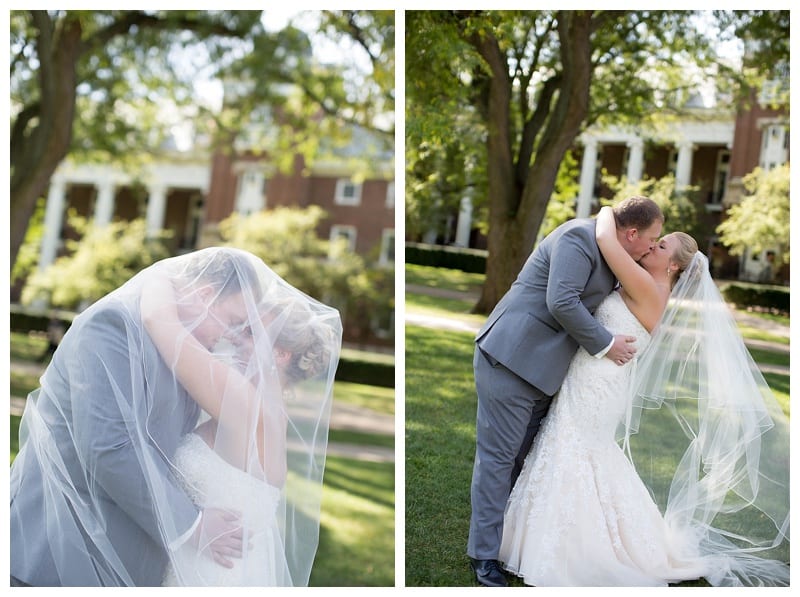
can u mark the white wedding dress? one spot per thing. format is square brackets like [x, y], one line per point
[211, 482]
[579, 515]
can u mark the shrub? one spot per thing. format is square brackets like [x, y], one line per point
[467, 260]
[102, 260]
[768, 298]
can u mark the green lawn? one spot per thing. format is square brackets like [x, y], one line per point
[376, 398]
[440, 444]
[356, 546]
[439, 277]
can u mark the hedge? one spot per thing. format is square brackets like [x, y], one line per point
[468, 260]
[354, 366]
[760, 296]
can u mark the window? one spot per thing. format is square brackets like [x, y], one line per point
[774, 151]
[720, 180]
[250, 194]
[387, 247]
[390, 195]
[347, 192]
[346, 233]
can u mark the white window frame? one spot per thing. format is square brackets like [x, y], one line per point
[340, 230]
[342, 198]
[390, 195]
[387, 240]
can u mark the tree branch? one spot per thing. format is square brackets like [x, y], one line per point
[149, 21]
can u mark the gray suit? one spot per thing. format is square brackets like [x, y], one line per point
[100, 355]
[521, 358]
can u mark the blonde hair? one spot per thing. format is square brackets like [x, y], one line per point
[307, 339]
[687, 247]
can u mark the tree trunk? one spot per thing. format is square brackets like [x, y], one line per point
[39, 152]
[515, 215]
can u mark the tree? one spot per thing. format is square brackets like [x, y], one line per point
[531, 82]
[93, 84]
[286, 239]
[761, 221]
[62, 59]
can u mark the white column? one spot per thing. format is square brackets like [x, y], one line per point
[156, 208]
[53, 218]
[104, 205]
[683, 169]
[464, 225]
[635, 160]
[588, 168]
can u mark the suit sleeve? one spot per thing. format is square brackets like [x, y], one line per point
[110, 418]
[571, 265]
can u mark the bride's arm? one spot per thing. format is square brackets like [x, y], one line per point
[208, 380]
[637, 282]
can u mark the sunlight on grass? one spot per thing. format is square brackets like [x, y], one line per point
[751, 333]
[438, 277]
[376, 398]
[357, 525]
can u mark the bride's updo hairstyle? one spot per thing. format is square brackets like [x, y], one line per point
[305, 337]
[687, 247]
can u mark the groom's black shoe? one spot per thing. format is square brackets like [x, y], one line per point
[488, 573]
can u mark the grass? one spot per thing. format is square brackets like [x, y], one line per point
[356, 546]
[751, 333]
[440, 444]
[378, 399]
[769, 357]
[361, 439]
[27, 347]
[447, 279]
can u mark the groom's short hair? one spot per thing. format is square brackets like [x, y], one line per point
[229, 271]
[637, 212]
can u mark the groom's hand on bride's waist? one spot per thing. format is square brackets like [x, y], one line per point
[623, 349]
[220, 535]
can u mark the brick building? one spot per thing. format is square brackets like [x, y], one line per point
[190, 192]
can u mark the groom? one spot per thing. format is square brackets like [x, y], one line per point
[78, 483]
[524, 349]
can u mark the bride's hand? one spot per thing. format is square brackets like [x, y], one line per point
[220, 534]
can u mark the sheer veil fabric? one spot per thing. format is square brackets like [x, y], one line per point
[212, 346]
[702, 409]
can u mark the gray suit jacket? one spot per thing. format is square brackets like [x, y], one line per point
[86, 422]
[537, 326]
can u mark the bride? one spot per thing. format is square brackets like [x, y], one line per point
[264, 389]
[699, 485]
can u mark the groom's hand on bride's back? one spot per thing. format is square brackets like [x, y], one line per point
[623, 349]
[220, 535]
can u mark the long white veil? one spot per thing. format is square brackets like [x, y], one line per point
[212, 344]
[710, 440]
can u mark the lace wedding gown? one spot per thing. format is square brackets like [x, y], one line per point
[210, 481]
[579, 515]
